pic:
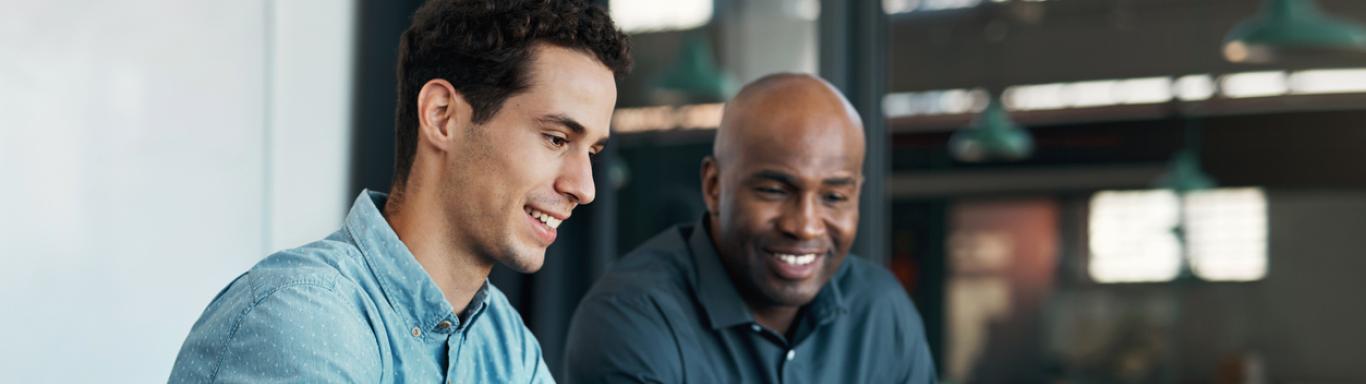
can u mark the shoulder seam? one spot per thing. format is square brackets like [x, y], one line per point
[635, 299]
[237, 321]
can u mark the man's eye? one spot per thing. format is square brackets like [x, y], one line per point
[836, 197]
[769, 191]
[556, 140]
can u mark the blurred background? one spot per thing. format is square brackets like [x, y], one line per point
[1073, 191]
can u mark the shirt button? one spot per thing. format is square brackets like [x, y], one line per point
[443, 325]
[791, 353]
[756, 327]
[417, 332]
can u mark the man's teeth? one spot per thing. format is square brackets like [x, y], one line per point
[796, 259]
[544, 218]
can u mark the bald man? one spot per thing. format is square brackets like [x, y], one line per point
[761, 289]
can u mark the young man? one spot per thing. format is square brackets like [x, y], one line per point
[761, 289]
[501, 104]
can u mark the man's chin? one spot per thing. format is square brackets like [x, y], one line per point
[791, 296]
[527, 262]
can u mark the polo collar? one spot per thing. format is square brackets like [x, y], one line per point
[712, 285]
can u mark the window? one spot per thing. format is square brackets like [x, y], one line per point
[1131, 237]
[905, 6]
[1226, 234]
[658, 15]
[1139, 236]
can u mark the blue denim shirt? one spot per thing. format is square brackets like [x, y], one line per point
[355, 307]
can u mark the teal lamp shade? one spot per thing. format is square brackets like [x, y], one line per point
[991, 136]
[694, 73]
[1184, 174]
[1291, 27]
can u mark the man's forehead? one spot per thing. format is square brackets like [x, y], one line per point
[810, 137]
[796, 167]
[818, 126]
[570, 87]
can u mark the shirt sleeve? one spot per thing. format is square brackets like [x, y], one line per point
[612, 340]
[301, 332]
[910, 329]
[533, 357]
[542, 374]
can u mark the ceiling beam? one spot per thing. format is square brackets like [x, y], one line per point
[998, 44]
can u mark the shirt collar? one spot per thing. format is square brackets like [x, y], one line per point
[829, 302]
[721, 300]
[407, 286]
[712, 284]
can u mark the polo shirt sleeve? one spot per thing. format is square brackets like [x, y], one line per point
[302, 331]
[621, 340]
[910, 332]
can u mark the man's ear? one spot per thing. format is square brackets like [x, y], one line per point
[711, 185]
[442, 114]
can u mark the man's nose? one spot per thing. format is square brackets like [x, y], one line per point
[576, 179]
[802, 219]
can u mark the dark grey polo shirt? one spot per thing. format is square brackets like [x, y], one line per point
[668, 313]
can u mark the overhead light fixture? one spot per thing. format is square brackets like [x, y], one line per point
[992, 135]
[1184, 174]
[1290, 27]
[695, 74]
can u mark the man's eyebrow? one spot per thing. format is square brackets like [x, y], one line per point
[785, 178]
[566, 121]
[571, 124]
[778, 176]
[839, 181]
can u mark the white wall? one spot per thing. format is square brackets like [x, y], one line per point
[312, 49]
[151, 150]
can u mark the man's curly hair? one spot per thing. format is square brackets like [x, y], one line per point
[483, 48]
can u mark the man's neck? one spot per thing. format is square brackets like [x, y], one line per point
[422, 228]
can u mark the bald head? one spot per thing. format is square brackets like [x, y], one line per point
[782, 188]
[787, 105]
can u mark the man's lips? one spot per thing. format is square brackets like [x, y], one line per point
[794, 264]
[544, 223]
[545, 216]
